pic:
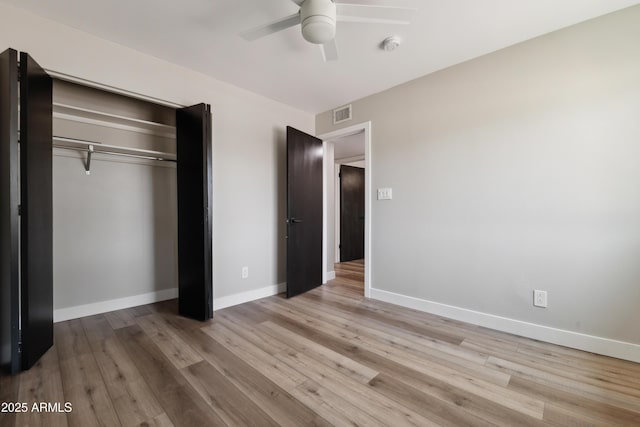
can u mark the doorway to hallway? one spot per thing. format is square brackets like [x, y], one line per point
[334, 143]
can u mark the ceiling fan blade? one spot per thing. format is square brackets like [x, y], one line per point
[274, 27]
[298, 2]
[330, 51]
[373, 14]
[403, 4]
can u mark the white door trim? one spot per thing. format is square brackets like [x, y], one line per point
[368, 172]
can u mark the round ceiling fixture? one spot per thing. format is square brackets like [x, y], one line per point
[391, 43]
[318, 19]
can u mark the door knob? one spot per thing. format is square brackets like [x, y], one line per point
[295, 220]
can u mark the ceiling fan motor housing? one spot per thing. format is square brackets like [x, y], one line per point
[318, 18]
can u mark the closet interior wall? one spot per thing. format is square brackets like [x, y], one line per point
[115, 229]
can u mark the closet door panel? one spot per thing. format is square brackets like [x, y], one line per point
[36, 210]
[193, 131]
[9, 221]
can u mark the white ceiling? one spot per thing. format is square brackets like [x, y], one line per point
[203, 35]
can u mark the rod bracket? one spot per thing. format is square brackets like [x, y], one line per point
[87, 165]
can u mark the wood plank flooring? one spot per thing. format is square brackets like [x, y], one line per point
[329, 357]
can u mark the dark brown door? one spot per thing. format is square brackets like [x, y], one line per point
[351, 213]
[36, 223]
[9, 222]
[304, 212]
[193, 130]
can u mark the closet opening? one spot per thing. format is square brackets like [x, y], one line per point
[114, 200]
[105, 203]
[121, 200]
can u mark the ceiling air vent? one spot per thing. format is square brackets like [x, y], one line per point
[342, 114]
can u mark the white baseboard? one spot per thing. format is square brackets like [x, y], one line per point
[242, 297]
[62, 314]
[593, 344]
[331, 275]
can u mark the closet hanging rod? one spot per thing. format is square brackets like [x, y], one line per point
[109, 149]
[115, 153]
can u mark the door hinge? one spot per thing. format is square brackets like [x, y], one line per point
[339, 174]
[340, 246]
[19, 210]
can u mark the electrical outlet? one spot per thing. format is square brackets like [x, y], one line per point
[245, 272]
[540, 298]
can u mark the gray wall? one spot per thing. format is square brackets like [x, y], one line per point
[516, 171]
[114, 231]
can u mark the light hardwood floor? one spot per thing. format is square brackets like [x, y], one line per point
[329, 357]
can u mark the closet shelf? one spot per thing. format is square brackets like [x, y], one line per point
[100, 118]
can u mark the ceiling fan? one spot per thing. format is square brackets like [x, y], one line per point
[318, 20]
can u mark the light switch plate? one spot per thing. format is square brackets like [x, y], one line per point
[385, 193]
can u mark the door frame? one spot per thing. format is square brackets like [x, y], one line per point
[327, 138]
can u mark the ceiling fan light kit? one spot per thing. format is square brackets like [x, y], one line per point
[318, 18]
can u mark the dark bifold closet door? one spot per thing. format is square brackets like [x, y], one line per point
[304, 212]
[351, 213]
[36, 225]
[193, 130]
[9, 199]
